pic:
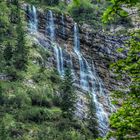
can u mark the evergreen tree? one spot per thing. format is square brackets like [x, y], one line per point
[8, 54]
[20, 59]
[68, 96]
[21, 51]
[92, 118]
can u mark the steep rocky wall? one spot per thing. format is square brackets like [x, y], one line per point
[98, 49]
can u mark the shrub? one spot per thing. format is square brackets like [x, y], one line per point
[38, 114]
[14, 95]
[41, 97]
[51, 2]
[38, 77]
[19, 100]
[78, 7]
[35, 114]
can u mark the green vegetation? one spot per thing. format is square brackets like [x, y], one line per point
[92, 118]
[36, 104]
[68, 96]
[125, 123]
[83, 11]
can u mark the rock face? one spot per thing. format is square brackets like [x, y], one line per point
[87, 53]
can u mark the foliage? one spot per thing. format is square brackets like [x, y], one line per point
[46, 2]
[41, 97]
[20, 58]
[68, 95]
[13, 49]
[116, 8]
[92, 118]
[78, 7]
[125, 122]
[30, 100]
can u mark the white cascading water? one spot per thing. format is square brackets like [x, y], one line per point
[33, 22]
[89, 80]
[83, 75]
[57, 49]
[50, 27]
[59, 58]
[88, 75]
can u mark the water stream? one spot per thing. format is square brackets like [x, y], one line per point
[83, 69]
[58, 52]
[90, 81]
[33, 22]
[88, 77]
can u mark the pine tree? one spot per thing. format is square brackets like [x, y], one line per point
[21, 51]
[68, 96]
[8, 54]
[92, 118]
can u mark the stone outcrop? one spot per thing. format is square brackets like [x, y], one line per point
[99, 50]
[96, 47]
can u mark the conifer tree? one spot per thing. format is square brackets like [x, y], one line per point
[21, 51]
[68, 96]
[8, 54]
[92, 118]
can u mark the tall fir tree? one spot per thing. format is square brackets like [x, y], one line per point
[20, 59]
[91, 117]
[68, 96]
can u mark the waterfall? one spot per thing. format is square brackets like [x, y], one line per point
[33, 20]
[90, 81]
[83, 69]
[58, 52]
[59, 59]
[50, 28]
[98, 88]
[76, 39]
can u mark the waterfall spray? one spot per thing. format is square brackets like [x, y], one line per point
[88, 75]
[33, 20]
[58, 52]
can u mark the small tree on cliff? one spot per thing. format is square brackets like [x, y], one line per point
[92, 118]
[68, 95]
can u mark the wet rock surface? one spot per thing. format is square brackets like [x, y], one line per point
[97, 49]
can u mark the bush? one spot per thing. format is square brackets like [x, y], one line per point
[19, 100]
[35, 114]
[41, 97]
[52, 2]
[13, 95]
[54, 77]
[39, 115]
[78, 7]
[73, 135]
[38, 77]
[56, 113]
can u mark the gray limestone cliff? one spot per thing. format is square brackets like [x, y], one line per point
[88, 53]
